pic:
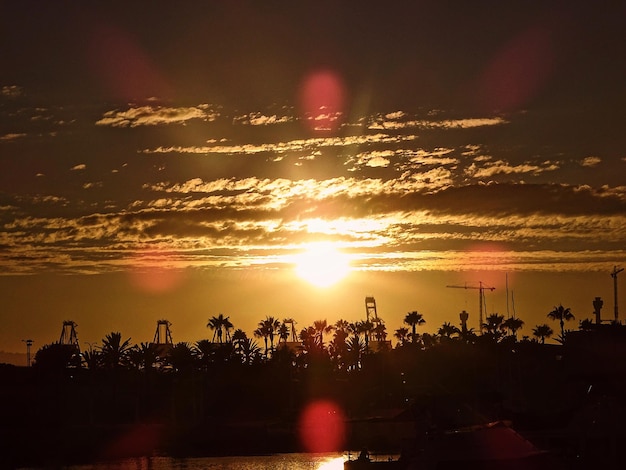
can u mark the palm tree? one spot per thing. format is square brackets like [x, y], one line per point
[92, 359]
[414, 319]
[447, 330]
[248, 350]
[338, 348]
[322, 326]
[239, 335]
[56, 357]
[561, 314]
[428, 340]
[181, 357]
[310, 339]
[401, 335]
[272, 326]
[468, 336]
[355, 329]
[585, 325]
[143, 356]
[203, 350]
[261, 332]
[219, 325]
[494, 326]
[114, 350]
[513, 324]
[355, 348]
[380, 331]
[341, 325]
[283, 332]
[542, 332]
[367, 327]
[267, 329]
[287, 330]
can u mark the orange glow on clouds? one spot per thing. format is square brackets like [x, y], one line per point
[322, 427]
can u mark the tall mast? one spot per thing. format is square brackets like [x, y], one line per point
[614, 274]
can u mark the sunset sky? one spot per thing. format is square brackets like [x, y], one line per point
[181, 160]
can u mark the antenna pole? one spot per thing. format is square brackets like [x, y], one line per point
[614, 274]
[508, 315]
[480, 305]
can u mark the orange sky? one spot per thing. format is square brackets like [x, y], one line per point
[36, 306]
[210, 145]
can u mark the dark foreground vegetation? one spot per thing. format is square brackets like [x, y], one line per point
[229, 396]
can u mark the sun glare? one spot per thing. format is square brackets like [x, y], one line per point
[322, 265]
[333, 464]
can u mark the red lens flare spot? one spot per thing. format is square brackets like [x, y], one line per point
[322, 427]
[322, 98]
[140, 440]
[127, 71]
[154, 273]
[518, 72]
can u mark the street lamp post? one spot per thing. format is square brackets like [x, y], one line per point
[29, 343]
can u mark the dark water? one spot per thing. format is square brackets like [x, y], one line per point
[268, 462]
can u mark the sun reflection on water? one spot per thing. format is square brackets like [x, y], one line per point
[335, 463]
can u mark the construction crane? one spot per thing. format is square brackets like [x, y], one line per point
[370, 309]
[371, 315]
[163, 334]
[69, 335]
[481, 295]
[293, 345]
[614, 274]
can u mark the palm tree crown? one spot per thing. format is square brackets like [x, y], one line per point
[542, 332]
[114, 350]
[413, 319]
[562, 314]
[219, 325]
[322, 326]
[447, 330]
[267, 329]
[513, 324]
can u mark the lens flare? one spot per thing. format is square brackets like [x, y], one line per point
[154, 272]
[322, 98]
[322, 427]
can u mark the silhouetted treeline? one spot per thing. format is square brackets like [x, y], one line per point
[230, 396]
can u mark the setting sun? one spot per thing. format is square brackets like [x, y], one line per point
[322, 265]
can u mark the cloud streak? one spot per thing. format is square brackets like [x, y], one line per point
[398, 190]
[156, 115]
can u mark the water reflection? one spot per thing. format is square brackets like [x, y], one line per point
[332, 464]
[266, 462]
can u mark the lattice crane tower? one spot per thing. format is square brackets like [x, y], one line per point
[163, 334]
[370, 309]
[69, 335]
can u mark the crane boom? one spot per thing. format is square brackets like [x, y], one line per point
[481, 289]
